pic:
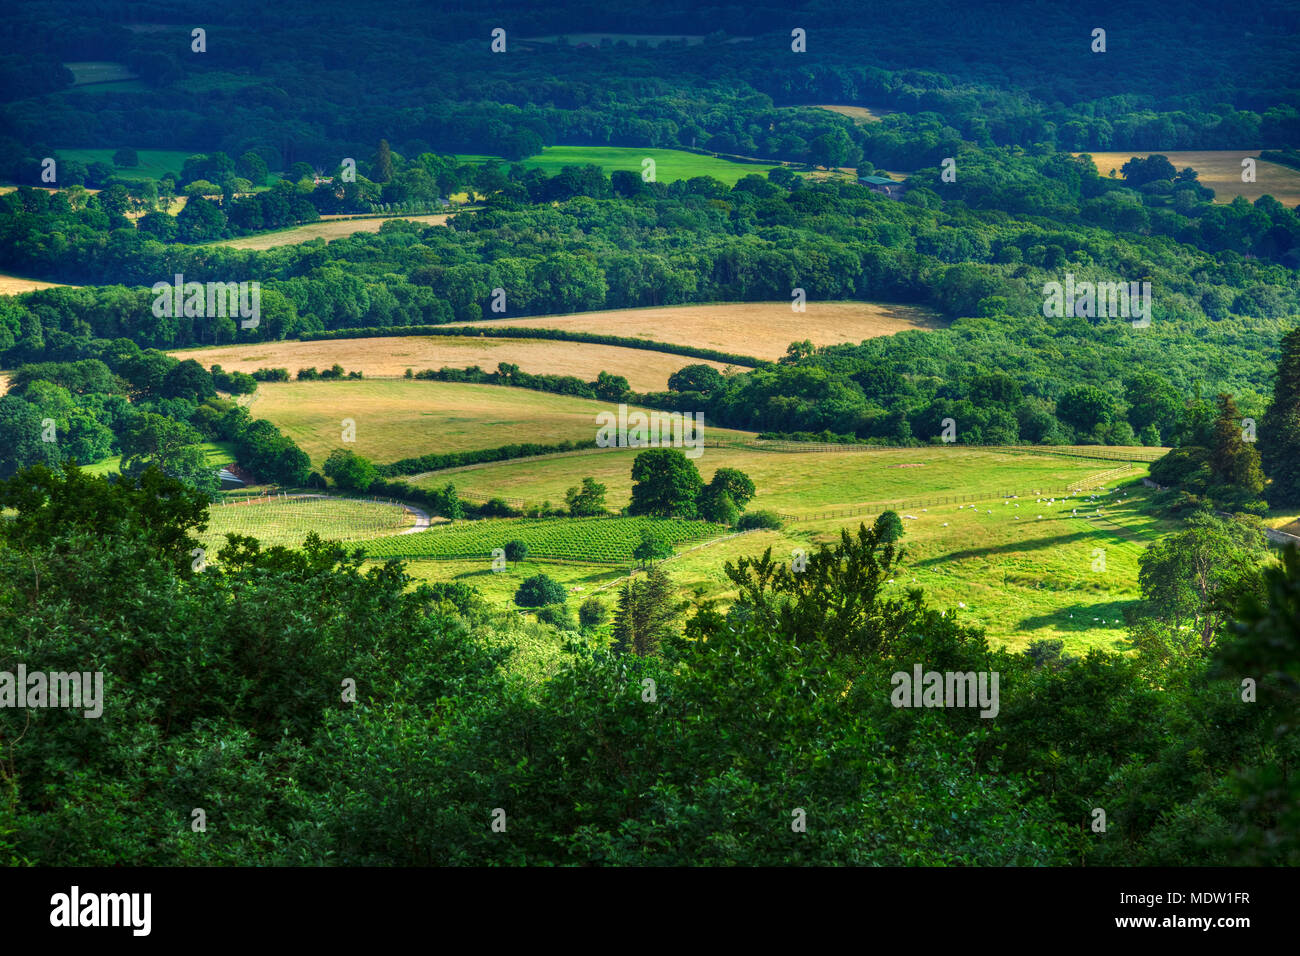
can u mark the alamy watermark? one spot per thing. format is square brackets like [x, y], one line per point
[197, 300]
[946, 689]
[39, 689]
[655, 430]
[1087, 300]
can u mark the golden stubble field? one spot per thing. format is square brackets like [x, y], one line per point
[645, 371]
[325, 229]
[1220, 169]
[761, 329]
[859, 114]
[16, 285]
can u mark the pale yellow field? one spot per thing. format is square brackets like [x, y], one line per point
[4, 382]
[15, 285]
[859, 114]
[48, 189]
[761, 329]
[327, 230]
[1220, 169]
[645, 371]
[98, 71]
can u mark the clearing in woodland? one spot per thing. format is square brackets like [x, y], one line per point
[326, 229]
[1220, 169]
[859, 114]
[645, 371]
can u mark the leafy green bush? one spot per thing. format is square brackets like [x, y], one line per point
[752, 520]
[539, 591]
[593, 612]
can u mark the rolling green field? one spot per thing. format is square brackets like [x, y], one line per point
[1062, 576]
[153, 162]
[287, 521]
[1025, 569]
[798, 483]
[219, 453]
[402, 418]
[670, 164]
[585, 540]
[1020, 577]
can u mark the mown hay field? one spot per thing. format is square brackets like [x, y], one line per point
[645, 371]
[761, 329]
[1220, 169]
[326, 229]
[859, 114]
[17, 285]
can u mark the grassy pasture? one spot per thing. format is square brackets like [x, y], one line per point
[1220, 169]
[761, 329]
[1020, 578]
[287, 521]
[154, 163]
[402, 418]
[218, 454]
[645, 371]
[581, 580]
[798, 483]
[670, 164]
[326, 229]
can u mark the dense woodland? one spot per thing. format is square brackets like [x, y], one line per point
[781, 703]
[1172, 77]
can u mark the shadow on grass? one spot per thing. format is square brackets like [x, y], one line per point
[1082, 618]
[1011, 547]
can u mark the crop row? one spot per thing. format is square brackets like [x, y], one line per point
[594, 540]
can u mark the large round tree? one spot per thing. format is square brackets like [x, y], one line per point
[665, 484]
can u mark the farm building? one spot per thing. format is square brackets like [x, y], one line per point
[883, 185]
